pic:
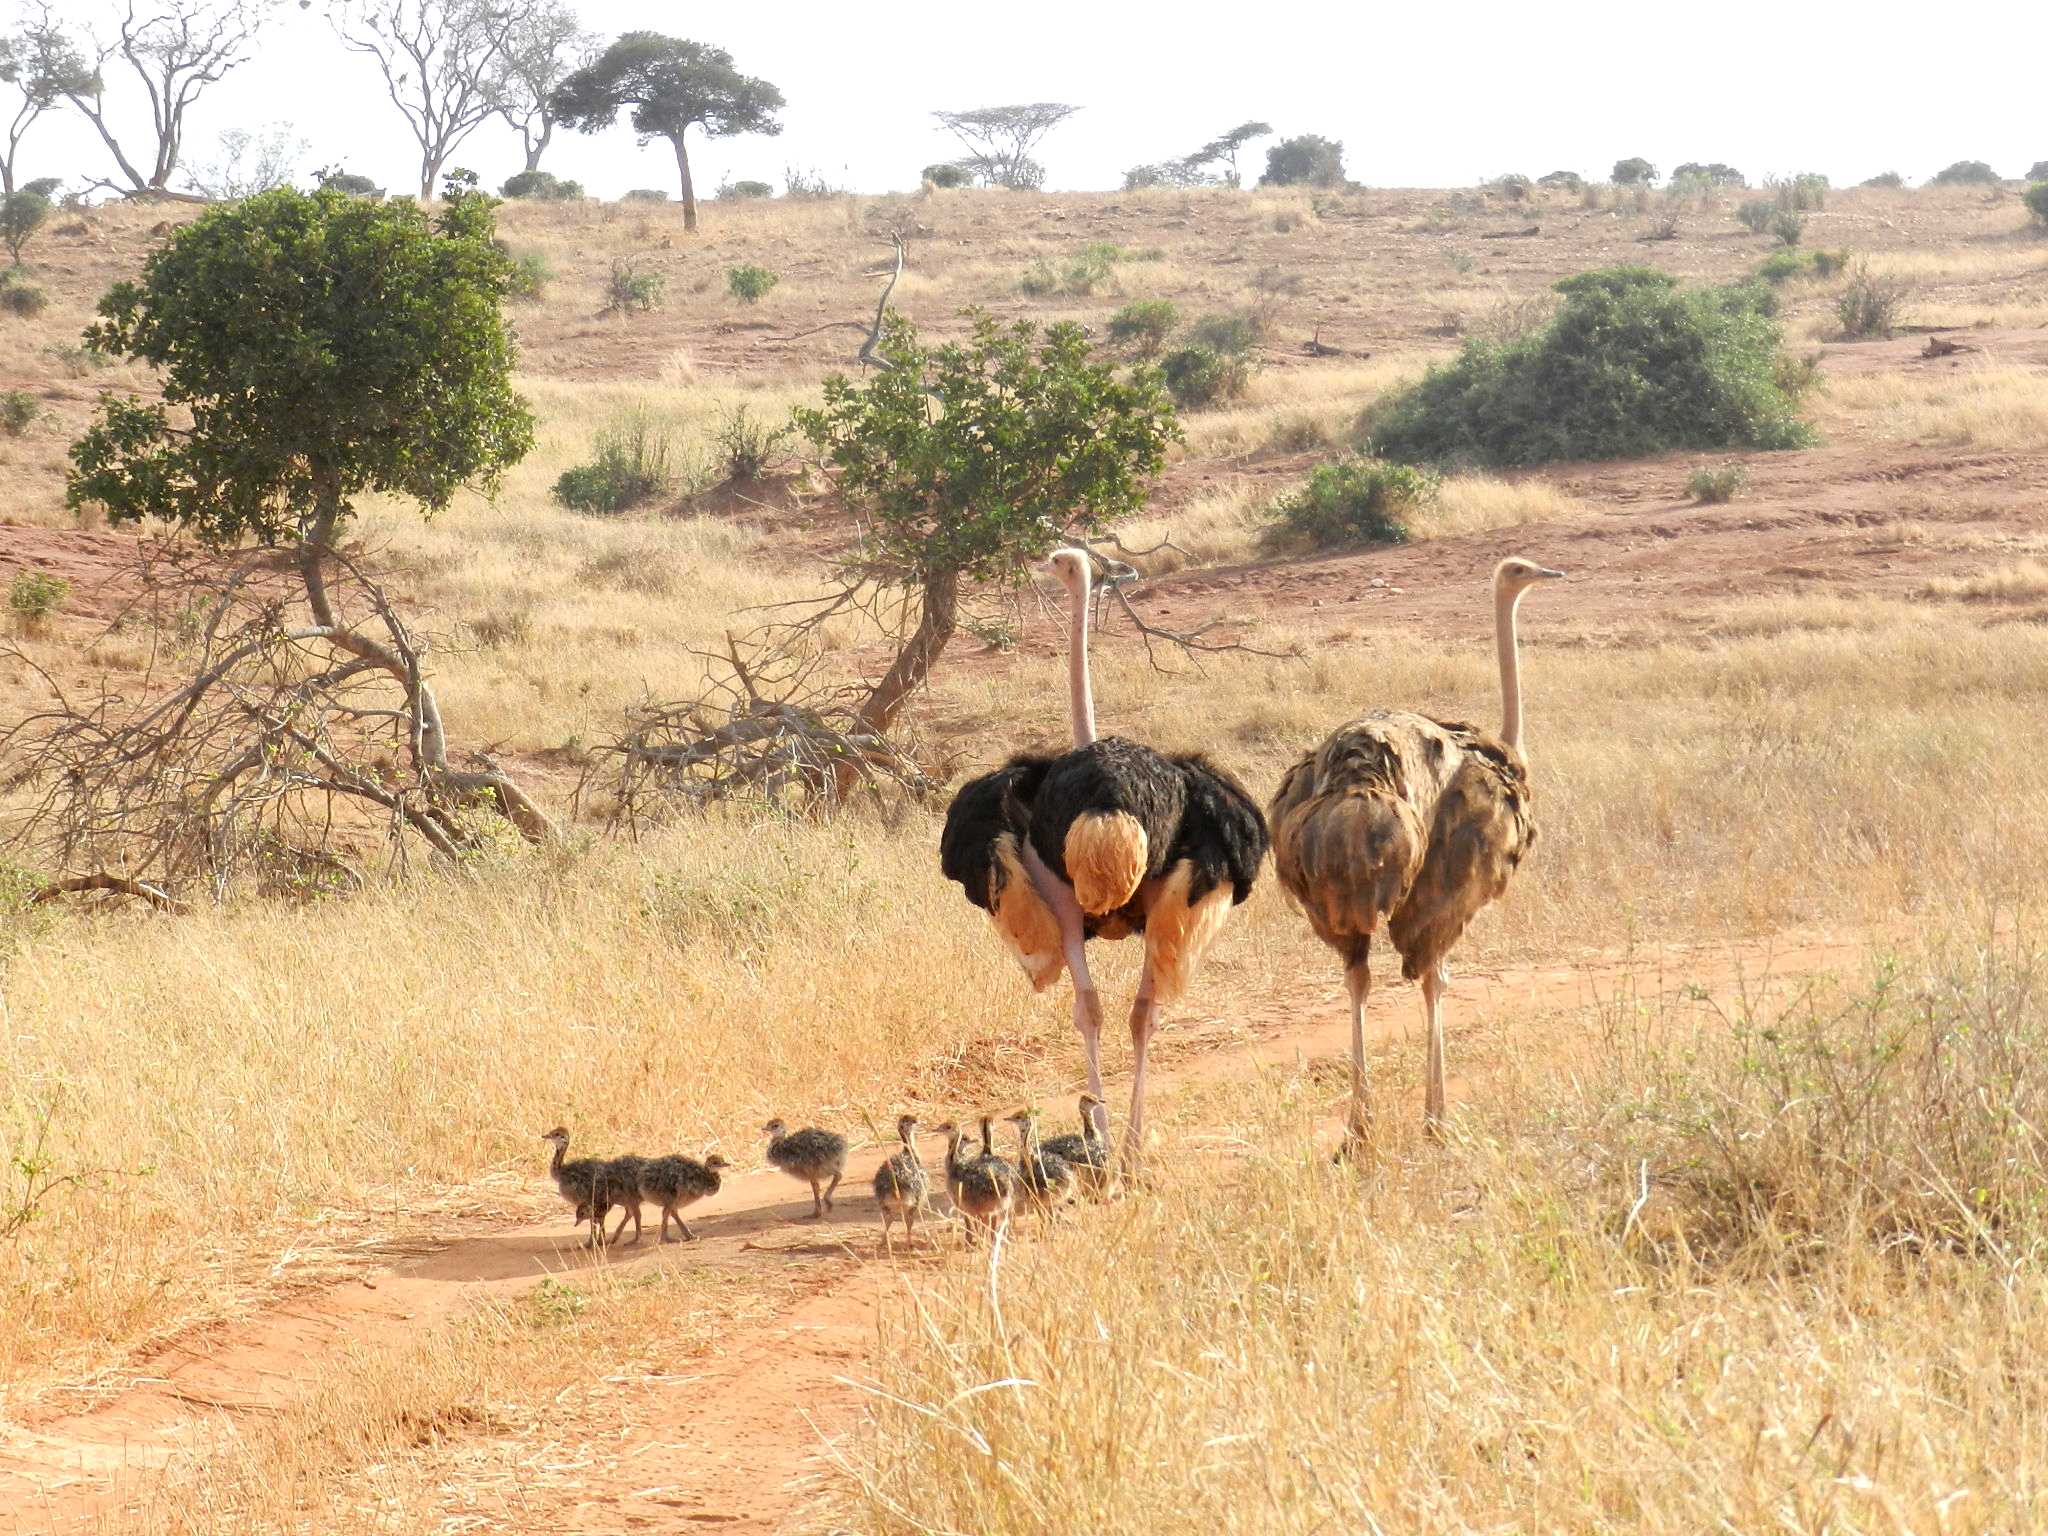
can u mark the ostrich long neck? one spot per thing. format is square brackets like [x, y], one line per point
[1504, 604]
[555, 1164]
[1081, 695]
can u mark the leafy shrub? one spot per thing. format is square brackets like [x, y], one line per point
[1633, 172]
[1712, 173]
[18, 411]
[799, 185]
[529, 277]
[1144, 325]
[631, 290]
[1756, 214]
[1198, 375]
[645, 195]
[1788, 224]
[20, 298]
[1966, 173]
[635, 462]
[1307, 160]
[1870, 303]
[1783, 266]
[1234, 333]
[1514, 188]
[1890, 181]
[1631, 365]
[44, 186]
[35, 597]
[1802, 193]
[79, 362]
[1570, 181]
[744, 191]
[2038, 171]
[1717, 485]
[1091, 269]
[947, 176]
[1359, 500]
[747, 446]
[2037, 202]
[541, 187]
[348, 182]
[749, 284]
[22, 214]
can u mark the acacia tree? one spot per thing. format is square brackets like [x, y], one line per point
[672, 85]
[443, 63]
[280, 408]
[39, 67]
[545, 47]
[1225, 148]
[176, 49]
[999, 140]
[970, 461]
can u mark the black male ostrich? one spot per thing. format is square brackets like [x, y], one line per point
[1108, 840]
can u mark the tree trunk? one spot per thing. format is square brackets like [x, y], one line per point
[536, 147]
[430, 173]
[913, 664]
[689, 187]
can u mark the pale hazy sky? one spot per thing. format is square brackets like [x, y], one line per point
[1421, 95]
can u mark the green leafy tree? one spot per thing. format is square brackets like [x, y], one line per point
[971, 460]
[1633, 172]
[314, 349]
[1966, 173]
[1307, 160]
[21, 215]
[672, 85]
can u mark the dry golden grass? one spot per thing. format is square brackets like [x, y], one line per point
[1984, 407]
[2022, 580]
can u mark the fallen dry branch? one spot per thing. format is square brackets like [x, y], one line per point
[283, 730]
[116, 885]
[763, 730]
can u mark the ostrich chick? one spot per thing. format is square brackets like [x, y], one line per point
[816, 1156]
[982, 1188]
[586, 1183]
[1086, 1153]
[901, 1185]
[1047, 1179]
[676, 1181]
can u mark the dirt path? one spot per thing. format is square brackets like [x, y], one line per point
[735, 1441]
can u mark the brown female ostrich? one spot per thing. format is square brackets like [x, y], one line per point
[1105, 841]
[1414, 820]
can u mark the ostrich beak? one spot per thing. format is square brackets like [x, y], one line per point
[1545, 573]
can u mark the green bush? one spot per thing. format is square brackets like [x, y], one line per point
[2038, 171]
[349, 183]
[747, 446]
[1569, 181]
[18, 411]
[1307, 160]
[1966, 173]
[22, 214]
[1756, 214]
[1144, 325]
[630, 290]
[35, 597]
[1717, 485]
[744, 191]
[635, 463]
[1783, 266]
[541, 187]
[1633, 172]
[529, 277]
[1513, 188]
[749, 284]
[1890, 181]
[1802, 193]
[2037, 202]
[1631, 365]
[20, 298]
[1197, 375]
[1234, 333]
[1091, 269]
[1870, 304]
[1359, 500]
[645, 195]
[1788, 224]
[947, 175]
[1711, 173]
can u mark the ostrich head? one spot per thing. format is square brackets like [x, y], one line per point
[1024, 1116]
[1515, 575]
[1072, 566]
[773, 1129]
[716, 1160]
[559, 1136]
[906, 1127]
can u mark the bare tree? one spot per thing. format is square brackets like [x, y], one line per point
[176, 49]
[39, 67]
[999, 140]
[443, 62]
[546, 47]
[249, 163]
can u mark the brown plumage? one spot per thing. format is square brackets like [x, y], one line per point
[982, 1188]
[1416, 822]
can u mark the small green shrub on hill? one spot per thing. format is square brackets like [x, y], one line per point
[1633, 364]
[1359, 500]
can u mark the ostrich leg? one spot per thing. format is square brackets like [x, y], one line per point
[1144, 1019]
[1358, 978]
[1434, 980]
[1059, 896]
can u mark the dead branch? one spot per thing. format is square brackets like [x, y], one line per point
[282, 729]
[762, 730]
[866, 355]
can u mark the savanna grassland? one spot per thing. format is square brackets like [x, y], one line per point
[1739, 1225]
